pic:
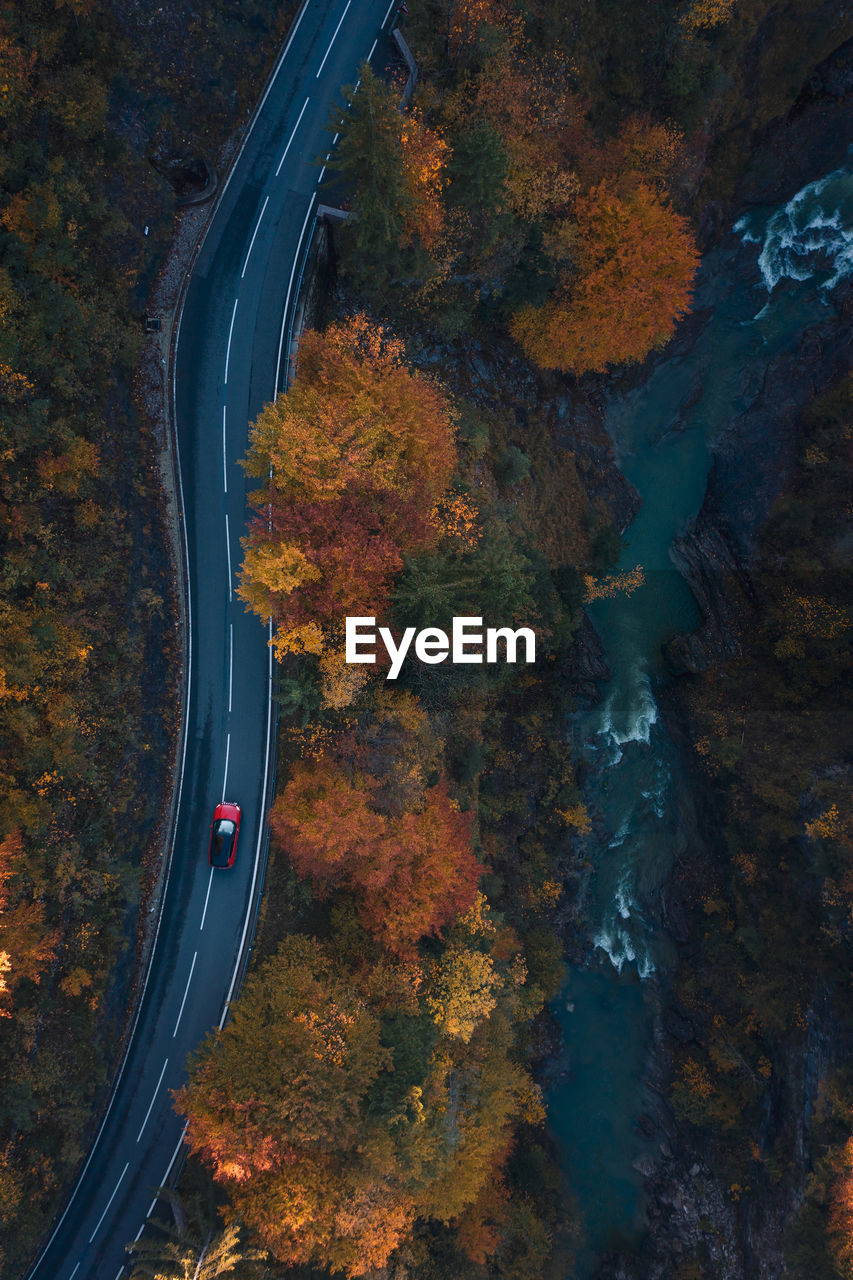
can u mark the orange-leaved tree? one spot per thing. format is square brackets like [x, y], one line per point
[411, 873]
[275, 1106]
[538, 121]
[465, 22]
[840, 1225]
[26, 944]
[336, 1112]
[425, 153]
[637, 263]
[352, 459]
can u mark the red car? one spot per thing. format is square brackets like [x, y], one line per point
[224, 830]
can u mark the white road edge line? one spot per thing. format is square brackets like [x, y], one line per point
[230, 332]
[322, 173]
[228, 549]
[153, 1100]
[292, 136]
[118, 1273]
[254, 233]
[183, 1002]
[227, 754]
[332, 41]
[206, 896]
[139, 1233]
[260, 831]
[230, 664]
[74, 1272]
[224, 454]
[372, 49]
[109, 1202]
[388, 14]
[289, 290]
[151, 1208]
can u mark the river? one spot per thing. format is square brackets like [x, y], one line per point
[635, 792]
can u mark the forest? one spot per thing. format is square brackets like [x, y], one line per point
[510, 199]
[771, 733]
[405, 937]
[374, 1103]
[88, 647]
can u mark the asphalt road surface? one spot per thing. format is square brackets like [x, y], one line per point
[229, 362]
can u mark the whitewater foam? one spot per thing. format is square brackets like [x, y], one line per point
[619, 949]
[658, 794]
[812, 233]
[641, 715]
[624, 901]
[621, 834]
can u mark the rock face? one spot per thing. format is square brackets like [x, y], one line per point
[188, 171]
[586, 667]
[751, 465]
[813, 140]
[574, 413]
[694, 1213]
[697, 1223]
[576, 421]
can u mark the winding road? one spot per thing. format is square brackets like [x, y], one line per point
[230, 359]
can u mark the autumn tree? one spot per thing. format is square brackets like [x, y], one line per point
[463, 991]
[704, 15]
[468, 27]
[397, 166]
[840, 1226]
[411, 873]
[193, 1248]
[274, 1107]
[524, 99]
[635, 279]
[336, 1113]
[26, 943]
[353, 459]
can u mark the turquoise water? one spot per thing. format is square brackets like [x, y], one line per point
[635, 791]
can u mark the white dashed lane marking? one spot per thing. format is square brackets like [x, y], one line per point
[228, 547]
[224, 455]
[292, 136]
[206, 897]
[230, 664]
[109, 1202]
[153, 1099]
[183, 1002]
[333, 39]
[227, 754]
[254, 234]
[230, 332]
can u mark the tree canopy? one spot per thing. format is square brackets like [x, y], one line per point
[353, 460]
[637, 260]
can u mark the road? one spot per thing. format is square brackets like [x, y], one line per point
[227, 364]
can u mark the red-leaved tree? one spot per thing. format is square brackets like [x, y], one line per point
[412, 874]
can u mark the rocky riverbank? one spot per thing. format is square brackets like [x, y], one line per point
[700, 1223]
[751, 465]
